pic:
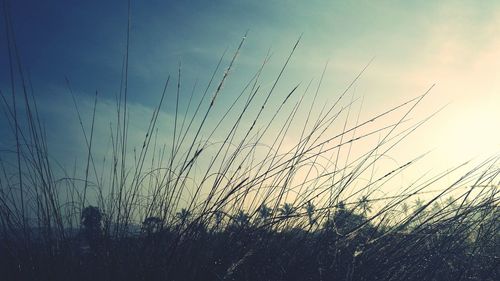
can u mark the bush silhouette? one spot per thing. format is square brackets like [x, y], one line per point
[91, 225]
[152, 225]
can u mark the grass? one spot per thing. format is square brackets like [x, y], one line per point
[230, 199]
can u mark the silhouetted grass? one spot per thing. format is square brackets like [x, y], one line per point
[222, 203]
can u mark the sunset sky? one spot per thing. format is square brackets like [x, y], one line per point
[415, 44]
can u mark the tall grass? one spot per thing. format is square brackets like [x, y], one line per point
[230, 198]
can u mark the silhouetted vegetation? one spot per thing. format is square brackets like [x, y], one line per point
[222, 208]
[346, 247]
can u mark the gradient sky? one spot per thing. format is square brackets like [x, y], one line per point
[454, 44]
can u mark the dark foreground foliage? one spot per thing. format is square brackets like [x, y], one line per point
[231, 196]
[347, 247]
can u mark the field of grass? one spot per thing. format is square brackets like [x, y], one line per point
[229, 198]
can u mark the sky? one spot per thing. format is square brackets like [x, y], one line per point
[413, 44]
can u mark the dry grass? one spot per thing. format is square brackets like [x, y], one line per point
[222, 202]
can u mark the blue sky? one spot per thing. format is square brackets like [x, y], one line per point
[415, 44]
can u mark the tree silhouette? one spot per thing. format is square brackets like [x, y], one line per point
[242, 219]
[418, 203]
[219, 216]
[344, 221]
[91, 222]
[364, 204]
[310, 208]
[152, 225]
[451, 202]
[405, 208]
[436, 208]
[183, 215]
[287, 210]
[264, 212]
